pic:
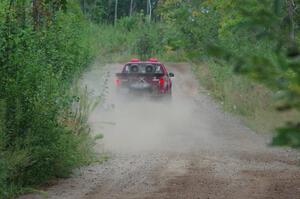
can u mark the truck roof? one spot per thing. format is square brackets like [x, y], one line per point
[150, 61]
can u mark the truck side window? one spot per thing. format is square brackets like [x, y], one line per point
[149, 69]
[134, 69]
[126, 69]
[158, 70]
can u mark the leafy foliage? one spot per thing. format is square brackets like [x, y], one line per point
[149, 41]
[259, 38]
[39, 57]
[103, 11]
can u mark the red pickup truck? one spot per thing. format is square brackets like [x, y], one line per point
[145, 77]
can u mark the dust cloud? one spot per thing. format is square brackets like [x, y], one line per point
[143, 124]
[183, 148]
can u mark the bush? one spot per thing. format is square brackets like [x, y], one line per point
[38, 67]
[151, 41]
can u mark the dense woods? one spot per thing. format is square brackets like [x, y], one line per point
[46, 44]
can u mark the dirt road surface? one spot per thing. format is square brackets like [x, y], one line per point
[186, 148]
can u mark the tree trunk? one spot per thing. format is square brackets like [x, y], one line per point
[131, 8]
[147, 9]
[36, 13]
[150, 10]
[291, 6]
[116, 11]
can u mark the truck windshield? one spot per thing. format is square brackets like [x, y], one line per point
[143, 68]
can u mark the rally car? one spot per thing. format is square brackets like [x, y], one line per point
[145, 77]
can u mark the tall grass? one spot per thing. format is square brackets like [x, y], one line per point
[237, 94]
[42, 136]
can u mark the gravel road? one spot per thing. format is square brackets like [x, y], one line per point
[187, 148]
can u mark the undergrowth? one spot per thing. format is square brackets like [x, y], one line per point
[43, 122]
[237, 94]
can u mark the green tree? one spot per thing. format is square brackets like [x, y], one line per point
[260, 38]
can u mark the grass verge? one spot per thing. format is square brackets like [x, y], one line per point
[254, 103]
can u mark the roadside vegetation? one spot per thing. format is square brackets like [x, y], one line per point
[244, 52]
[43, 134]
[248, 55]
